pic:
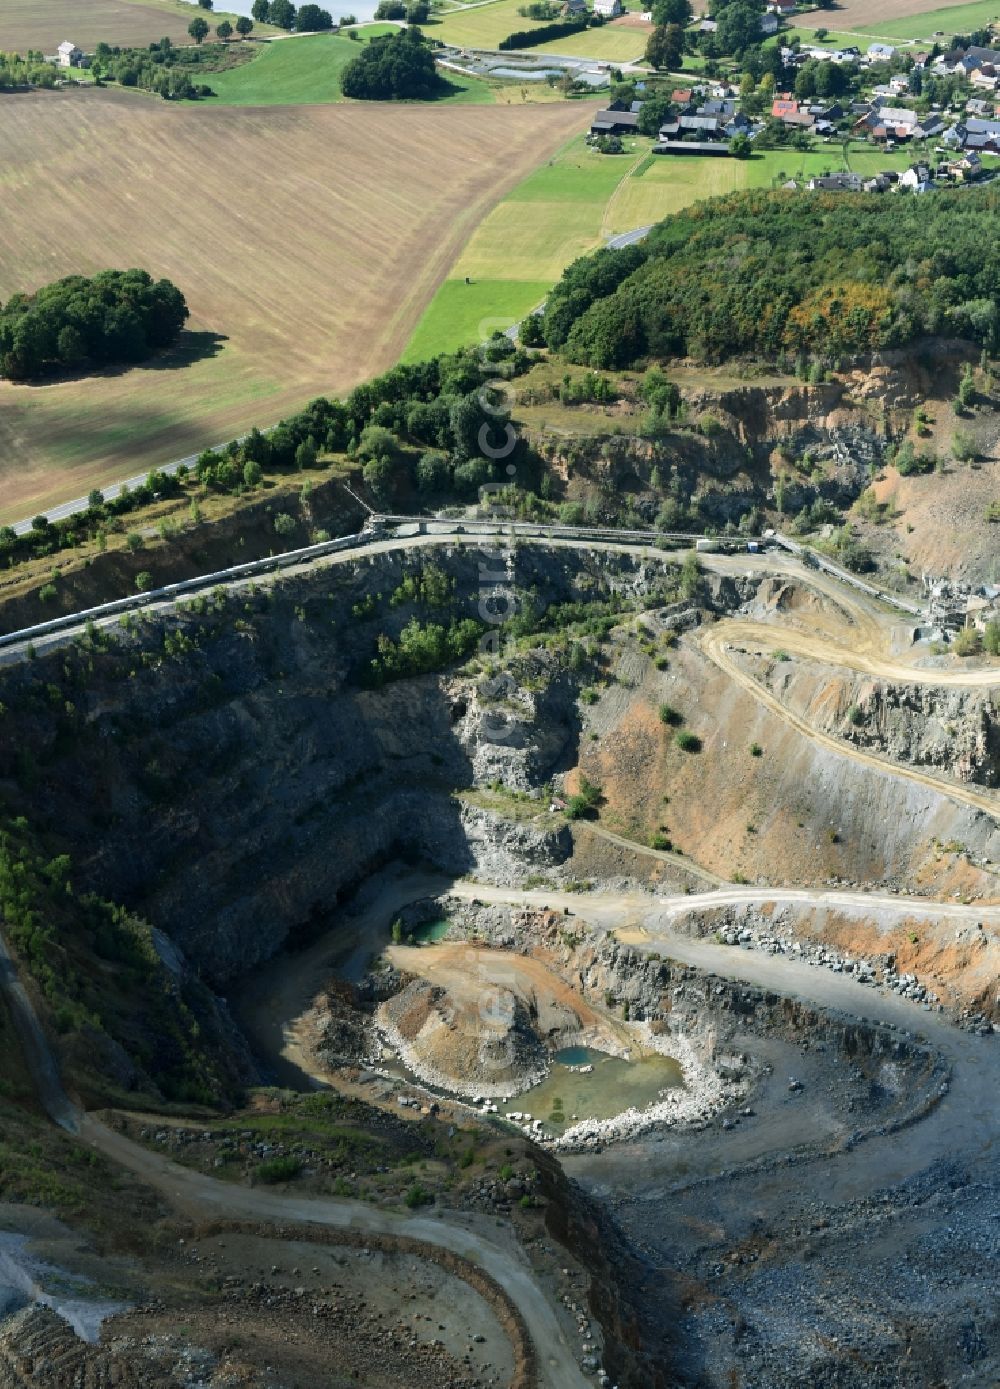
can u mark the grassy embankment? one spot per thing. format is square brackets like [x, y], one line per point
[307, 70]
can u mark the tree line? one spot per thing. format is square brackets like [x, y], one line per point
[543, 33]
[162, 68]
[116, 316]
[284, 15]
[414, 429]
[16, 72]
[770, 273]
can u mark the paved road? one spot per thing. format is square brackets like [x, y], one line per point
[623, 239]
[110, 492]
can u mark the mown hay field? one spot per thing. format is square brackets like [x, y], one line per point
[307, 240]
[43, 24]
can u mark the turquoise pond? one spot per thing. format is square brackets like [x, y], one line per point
[429, 932]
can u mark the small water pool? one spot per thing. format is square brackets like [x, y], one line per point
[613, 1086]
[430, 931]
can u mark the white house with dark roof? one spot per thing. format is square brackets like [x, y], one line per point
[68, 55]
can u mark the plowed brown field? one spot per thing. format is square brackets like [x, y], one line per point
[44, 24]
[306, 239]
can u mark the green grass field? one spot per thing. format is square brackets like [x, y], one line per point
[610, 43]
[836, 38]
[953, 19]
[306, 71]
[480, 27]
[483, 26]
[461, 313]
[578, 200]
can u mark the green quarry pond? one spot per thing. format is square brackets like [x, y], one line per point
[612, 1086]
[429, 932]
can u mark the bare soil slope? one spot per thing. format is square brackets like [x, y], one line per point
[307, 240]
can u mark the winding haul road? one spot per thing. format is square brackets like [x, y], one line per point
[202, 1197]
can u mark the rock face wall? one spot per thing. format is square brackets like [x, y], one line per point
[226, 773]
[954, 730]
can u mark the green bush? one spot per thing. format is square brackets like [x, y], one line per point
[670, 716]
[968, 642]
[963, 446]
[688, 742]
[278, 1169]
[585, 802]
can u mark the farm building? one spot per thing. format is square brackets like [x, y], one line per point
[615, 123]
[835, 183]
[68, 55]
[609, 9]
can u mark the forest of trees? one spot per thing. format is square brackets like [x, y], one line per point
[116, 317]
[394, 67]
[772, 273]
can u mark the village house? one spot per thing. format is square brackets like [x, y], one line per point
[835, 183]
[769, 24]
[880, 183]
[69, 56]
[609, 9]
[975, 133]
[917, 178]
[966, 169]
[880, 52]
